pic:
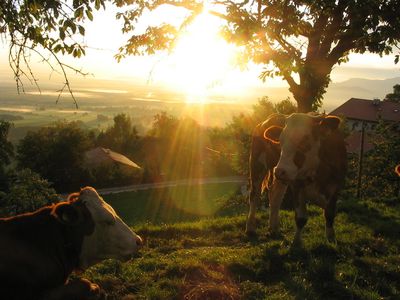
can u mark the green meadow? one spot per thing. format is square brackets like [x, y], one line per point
[171, 205]
[196, 248]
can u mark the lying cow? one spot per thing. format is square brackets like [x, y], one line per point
[39, 250]
[303, 155]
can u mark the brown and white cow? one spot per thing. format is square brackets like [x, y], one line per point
[302, 155]
[39, 250]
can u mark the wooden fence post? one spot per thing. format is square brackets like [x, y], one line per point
[360, 160]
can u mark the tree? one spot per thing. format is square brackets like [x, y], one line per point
[299, 40]
[285, 107]
[379, 177]
[6, 151]
[181, 143]
[27, 192]
[122, 136]
[395, 96]
[48, 28]
[242, 126]
[6, 148]
[57, 154]
[164, 125]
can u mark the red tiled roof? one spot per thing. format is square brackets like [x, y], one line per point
[369, 110]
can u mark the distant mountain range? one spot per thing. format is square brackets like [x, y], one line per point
[358, 88]
[340, 92]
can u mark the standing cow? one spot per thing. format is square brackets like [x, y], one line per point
[39, 250]
[303, 155]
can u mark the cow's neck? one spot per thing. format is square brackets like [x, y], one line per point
[72, 245]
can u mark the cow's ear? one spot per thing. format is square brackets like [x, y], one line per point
[329, 123]
[273, 133]
[67, 214]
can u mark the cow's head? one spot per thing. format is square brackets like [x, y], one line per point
[105, 234]
[300, 143]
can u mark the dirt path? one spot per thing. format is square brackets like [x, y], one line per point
[158, 185]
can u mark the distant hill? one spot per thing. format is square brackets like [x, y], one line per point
[340, 92]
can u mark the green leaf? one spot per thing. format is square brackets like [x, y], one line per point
[97, 4]
[76, 53]
[78, 13]
[57, 48]
[81, 29]
[72, 26]
[62, 33]
[89, 15]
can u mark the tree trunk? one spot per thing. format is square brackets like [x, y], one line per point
[304, 99]
[314, 80]
[304, 105]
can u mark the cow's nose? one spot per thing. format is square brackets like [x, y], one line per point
[281, 174]
[139, 241]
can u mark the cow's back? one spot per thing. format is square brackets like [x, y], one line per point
[32, 255]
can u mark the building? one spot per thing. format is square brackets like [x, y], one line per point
[365, 113]
[101, 157]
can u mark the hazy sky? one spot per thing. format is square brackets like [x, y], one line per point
[201, 63]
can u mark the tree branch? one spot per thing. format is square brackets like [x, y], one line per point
[190, 5]
[285, 73]
[333, 28]
[289, 48]
[345, 44]
[315, 37]
[18, 71]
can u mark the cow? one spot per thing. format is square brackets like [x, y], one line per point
[39, 250]
[302, 156]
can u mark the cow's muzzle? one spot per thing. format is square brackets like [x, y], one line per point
[139, 244]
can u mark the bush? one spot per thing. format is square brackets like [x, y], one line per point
[27, 192]
[379, 177]
[57, 154]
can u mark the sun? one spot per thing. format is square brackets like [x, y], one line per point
[201, 59]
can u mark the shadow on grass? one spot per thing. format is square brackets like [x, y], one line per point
[315, 277]
[304, 274]
[361, 213]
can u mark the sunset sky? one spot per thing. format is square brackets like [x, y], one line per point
[202, 62]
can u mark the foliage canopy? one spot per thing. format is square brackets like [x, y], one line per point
[299, 40]
[48, 28]
[395, 96]
[26, 192]
[6, 148]
[56, 153]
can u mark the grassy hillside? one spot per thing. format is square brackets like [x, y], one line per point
[212, 258]
[174, 204]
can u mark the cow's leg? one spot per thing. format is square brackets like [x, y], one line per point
[300, 218]
[275, 195]
[254, 200]
[80, 289]
[258, 170]
[330, 213]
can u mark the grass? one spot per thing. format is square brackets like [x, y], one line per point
[175, 204]
[212, 258]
